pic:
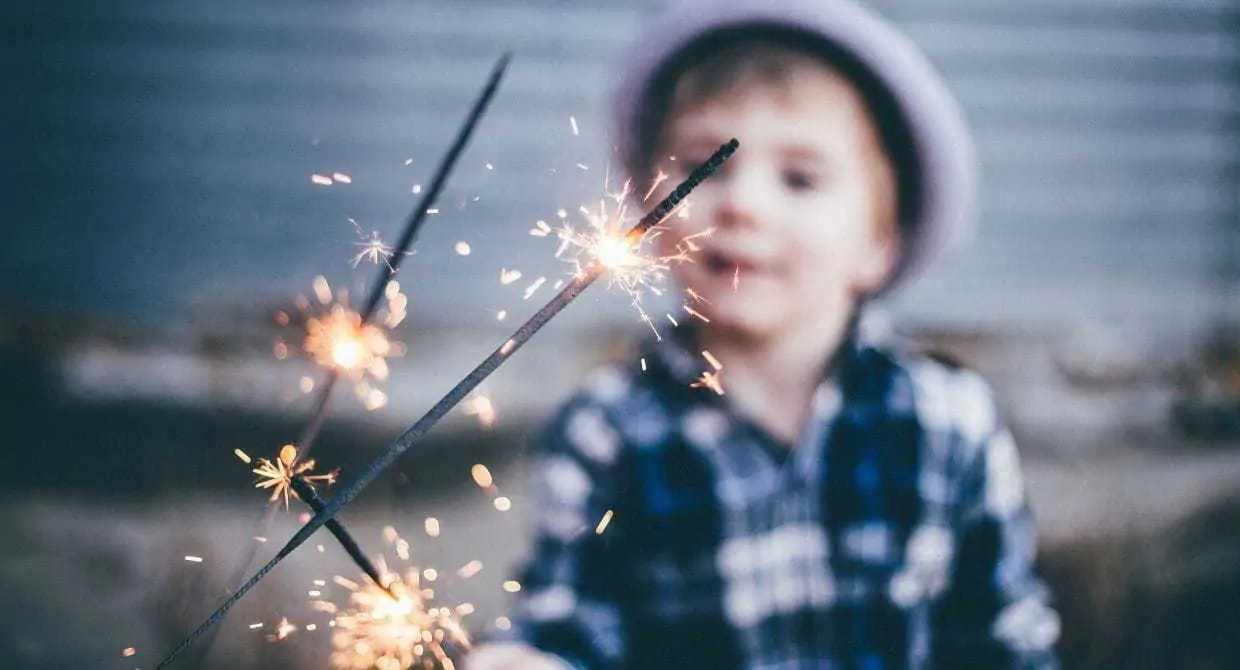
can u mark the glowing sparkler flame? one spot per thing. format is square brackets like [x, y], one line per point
[337, 338]
[614, 252]
[278, 475]
[629, 262]
[340, 340]
[396, 625]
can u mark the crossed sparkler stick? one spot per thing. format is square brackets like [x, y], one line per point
[325, 512]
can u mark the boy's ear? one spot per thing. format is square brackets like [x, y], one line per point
[882, 250]
[878, 261]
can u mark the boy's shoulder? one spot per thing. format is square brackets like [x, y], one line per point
[611, 408]
[948, 394]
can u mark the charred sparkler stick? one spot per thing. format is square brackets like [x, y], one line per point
[413, 226]
[458, 393]
[337, 529]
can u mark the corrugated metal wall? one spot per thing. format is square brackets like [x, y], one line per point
[1110, 136]
[158, 154]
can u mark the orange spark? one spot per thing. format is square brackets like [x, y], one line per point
[482, 476]
[469, 569]
[481, 407]
[602, 524]
[710, 358]
[709, 380]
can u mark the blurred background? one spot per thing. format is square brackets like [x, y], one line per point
[175, 174]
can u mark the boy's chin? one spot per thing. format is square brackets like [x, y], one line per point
[745, 320]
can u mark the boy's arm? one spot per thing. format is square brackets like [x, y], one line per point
[996, 613]
[569, 605]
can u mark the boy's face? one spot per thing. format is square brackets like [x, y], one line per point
[803, 212]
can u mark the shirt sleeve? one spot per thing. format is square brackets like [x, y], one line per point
[569, 603]
[996, 613]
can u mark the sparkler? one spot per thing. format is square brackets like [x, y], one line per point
[413, 226]
[580, 283]
[288, 478]
[630, 265]
[307, 493]
[279, 475]
[394, 624]
[341, 340]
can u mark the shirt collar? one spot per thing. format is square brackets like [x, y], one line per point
[678, 354]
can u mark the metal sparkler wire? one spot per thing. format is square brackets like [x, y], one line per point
[455, 396]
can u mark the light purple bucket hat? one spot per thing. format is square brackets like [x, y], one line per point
[945, 157]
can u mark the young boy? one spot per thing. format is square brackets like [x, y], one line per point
[843, 505]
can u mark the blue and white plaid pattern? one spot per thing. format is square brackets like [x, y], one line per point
[895, 534]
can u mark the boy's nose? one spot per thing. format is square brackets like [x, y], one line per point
[743, 195]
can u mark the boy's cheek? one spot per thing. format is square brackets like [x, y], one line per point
[692, 217]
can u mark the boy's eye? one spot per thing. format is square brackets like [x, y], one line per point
[799, 180]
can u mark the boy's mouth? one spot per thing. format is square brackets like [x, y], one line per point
[724, 265]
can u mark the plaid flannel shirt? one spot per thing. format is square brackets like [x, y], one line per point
[895, 533]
